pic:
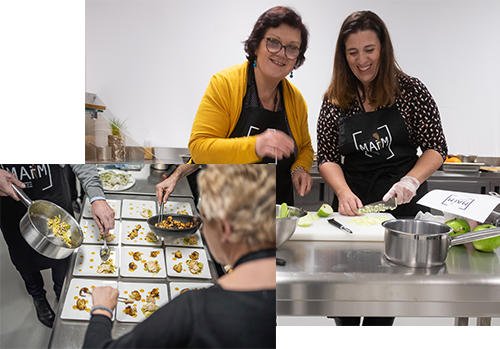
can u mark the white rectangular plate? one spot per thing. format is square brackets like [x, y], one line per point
[177, 287]
[70, 311]
[87, 260]
[92, 235]
[128, 225]
[114, 204]
[186, 251]
[126, 288]
[180, 242]
[178, 207]
[126, 254]
[137, 209]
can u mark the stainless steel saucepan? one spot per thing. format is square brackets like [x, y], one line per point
[417, 243]
[37, 234]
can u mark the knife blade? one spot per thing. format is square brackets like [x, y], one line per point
[379, 206]
[335, 223]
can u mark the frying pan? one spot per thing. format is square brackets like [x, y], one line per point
[34, 229]
[174, 233]
[417, 243]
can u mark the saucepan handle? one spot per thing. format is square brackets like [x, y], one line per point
[22, 196]
[474, 236]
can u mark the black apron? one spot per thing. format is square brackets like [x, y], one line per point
[377, 154]
[253, 121]
[256, 255]
[43, 182]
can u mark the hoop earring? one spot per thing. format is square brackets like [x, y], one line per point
[255, 62]
[291, 74]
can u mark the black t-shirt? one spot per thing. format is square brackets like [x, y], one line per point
[211, 318]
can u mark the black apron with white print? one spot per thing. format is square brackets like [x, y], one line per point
[253, 121]
[43, 182]
[377, 154]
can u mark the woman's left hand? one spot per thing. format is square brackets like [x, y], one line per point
[302, 181]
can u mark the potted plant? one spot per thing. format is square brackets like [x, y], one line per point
[116, 140]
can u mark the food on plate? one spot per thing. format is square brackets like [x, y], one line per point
[81, 304]
[83, 290]
[178, 267]
[191, 240]
[129, 310]
[489, 244]
[459, 226]
[151, 237]
[135, 232]
[132, 266]
[366, 221]
[184, 290]
[128, 301]
[194, 266]
[109, 237]
[154, 254]
[112, 180]
[60, 229]
[453, 159]
[228, 269]
[146, 213]
[152, 267]
[191, 289]
[171, 223]
[194, 255]
[325, 210]
[150, 307]
[135, 295]
[178, 254]
[137, 256]
[155, 293]
[106, 268]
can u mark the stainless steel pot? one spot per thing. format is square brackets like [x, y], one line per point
[416, 243]
[174, 233]
[35, 231]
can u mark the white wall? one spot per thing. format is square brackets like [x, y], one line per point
[151, 60]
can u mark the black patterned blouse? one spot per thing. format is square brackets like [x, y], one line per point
[417, 107]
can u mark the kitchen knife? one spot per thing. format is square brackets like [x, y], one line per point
[379, 206]
[335, 223]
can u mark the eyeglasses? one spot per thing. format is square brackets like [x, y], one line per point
[275, 46]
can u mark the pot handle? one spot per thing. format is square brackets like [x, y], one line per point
[474, 236]
[22, 196]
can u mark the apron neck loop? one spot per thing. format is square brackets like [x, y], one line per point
[256, 255]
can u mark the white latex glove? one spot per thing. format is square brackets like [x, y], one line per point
[404, 190]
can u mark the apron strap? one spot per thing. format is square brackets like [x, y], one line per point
[256, 255]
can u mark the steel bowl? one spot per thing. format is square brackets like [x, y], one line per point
[285, 227]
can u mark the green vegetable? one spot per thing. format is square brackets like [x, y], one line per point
[284, 210]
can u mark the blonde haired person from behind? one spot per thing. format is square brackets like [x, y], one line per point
[237, 209]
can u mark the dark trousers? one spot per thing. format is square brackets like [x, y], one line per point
[367, 321]
[33, 281]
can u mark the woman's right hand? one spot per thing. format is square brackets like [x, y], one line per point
[274, 144]
[349, 203]
[107, 296]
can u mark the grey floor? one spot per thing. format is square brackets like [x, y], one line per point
[19, 326]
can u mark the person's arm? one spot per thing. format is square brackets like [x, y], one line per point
[166, 187]
[103, 214]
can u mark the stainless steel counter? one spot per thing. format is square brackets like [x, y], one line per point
[323, 278]
[70, 333]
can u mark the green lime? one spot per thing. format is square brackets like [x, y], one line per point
[459, 226]
[305, 221]
[325, 210]
[284, 210]
[489, 244]
[314, 216]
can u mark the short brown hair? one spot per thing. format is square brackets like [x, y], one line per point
[273, 18]
[344, 84]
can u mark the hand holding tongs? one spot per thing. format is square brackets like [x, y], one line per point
[84, 291]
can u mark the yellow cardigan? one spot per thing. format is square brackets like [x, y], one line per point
[218, 115]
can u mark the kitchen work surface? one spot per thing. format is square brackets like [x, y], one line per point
[341, 278]
[321, 230]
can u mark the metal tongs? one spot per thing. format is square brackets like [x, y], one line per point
[84, 291]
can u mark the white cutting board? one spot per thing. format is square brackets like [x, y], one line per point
[321, 230]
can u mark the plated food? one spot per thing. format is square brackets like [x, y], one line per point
[177, 207]
[138, 233]
[60, 229]
[92, 235]
[116, 180]
[177, 288]
[88, 262]
[193, 240]
[142, 262]
[186, 265]
[146, 299]
[114, 204]
[138, 209]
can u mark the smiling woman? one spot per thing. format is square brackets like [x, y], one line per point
[251, 113]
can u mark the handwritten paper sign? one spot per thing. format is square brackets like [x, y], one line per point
[473, 206]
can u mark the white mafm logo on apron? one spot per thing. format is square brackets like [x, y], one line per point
[382, 139]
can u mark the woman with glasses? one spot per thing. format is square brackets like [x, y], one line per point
[376, 117]
[251, 113]
[237, 208]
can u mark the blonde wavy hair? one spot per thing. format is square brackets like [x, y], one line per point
[244, 195]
